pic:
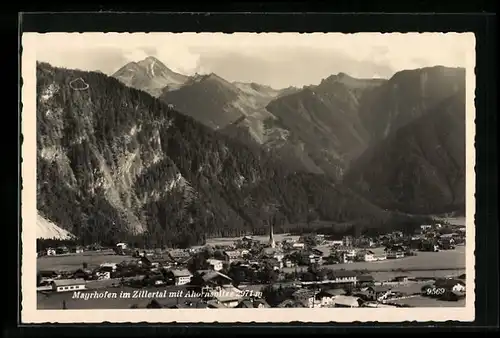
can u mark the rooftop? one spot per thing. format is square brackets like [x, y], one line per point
[366, 278]
[181, 273]
[333, 292]
[65, 282]
[214, 274]
[347, 301]
[343, 273]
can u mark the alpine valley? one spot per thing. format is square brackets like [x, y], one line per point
[151, 155]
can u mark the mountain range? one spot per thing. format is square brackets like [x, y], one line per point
[173, 158]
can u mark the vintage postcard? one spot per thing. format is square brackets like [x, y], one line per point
[245, 177]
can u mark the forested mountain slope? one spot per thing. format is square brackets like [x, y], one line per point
[324, 119]
[419, 168]
[408, 95]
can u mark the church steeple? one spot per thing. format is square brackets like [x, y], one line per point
[272, 244]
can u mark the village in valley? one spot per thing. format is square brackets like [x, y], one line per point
[308, 271]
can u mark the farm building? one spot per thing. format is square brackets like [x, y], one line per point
[64, 285]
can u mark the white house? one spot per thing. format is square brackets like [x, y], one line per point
[315, 259]
[336, 243]
[395, 254]
[380, 257]
[278, 256]
[108, 267]
[227, 300]
[347, 241]
[298, 245]
[343, 277]
[228, 296]
[181, 277]
[366, 256]
[215, 264]
[65, 285]
[103, 275]
[123, 246]
[326, 297]
[379, 292]
[450, 284]
[231, 256]
[459, 287]
[346, 301]
[307, 297]
[349, 255]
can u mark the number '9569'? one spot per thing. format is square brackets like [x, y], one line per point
[435, 291]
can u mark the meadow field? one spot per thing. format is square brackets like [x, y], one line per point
[424, 261]
[75, 261]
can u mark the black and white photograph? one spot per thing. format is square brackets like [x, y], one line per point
[292, 175]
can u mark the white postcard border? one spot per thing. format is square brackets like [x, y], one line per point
[30, 314]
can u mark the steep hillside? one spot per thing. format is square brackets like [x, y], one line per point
[206, 98]
[46, 229]
[324, 118]
[218, 103]
[408, 95]
[114, 162]
[150, 75]
[260, 93]
[419, 168]
[274, 139]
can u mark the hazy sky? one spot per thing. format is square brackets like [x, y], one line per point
[279, 60]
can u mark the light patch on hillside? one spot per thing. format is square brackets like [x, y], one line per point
[276, 137]
[256, 90]
[239, 181]
[129, 167]
[157, 157]
[112, 190]
[253, 107]
[134, 130]
[51, 153]
[49, 92]
[177, 183]
[48, 230]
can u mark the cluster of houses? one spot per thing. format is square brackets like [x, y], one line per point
[64, 250]
[393, 294]
[227, 272]
[434, 238]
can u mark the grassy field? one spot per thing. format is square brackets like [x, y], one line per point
[443, 260]
[455, 220]
[75, 261]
